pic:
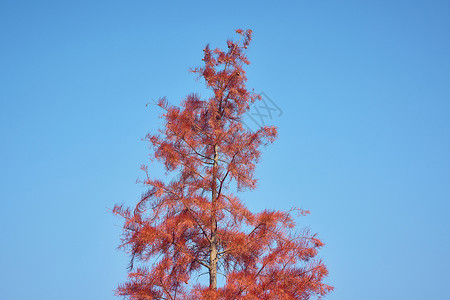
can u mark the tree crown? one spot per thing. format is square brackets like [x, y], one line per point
[196, 222]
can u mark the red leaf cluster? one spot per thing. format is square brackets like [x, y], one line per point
[195, 223]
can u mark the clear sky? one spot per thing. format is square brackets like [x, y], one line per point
[364, 143]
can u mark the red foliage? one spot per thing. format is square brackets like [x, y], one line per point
[195, 223]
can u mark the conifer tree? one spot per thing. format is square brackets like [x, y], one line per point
[197, 223]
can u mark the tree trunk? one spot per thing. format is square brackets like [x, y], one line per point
[213, 247]
[213, 263]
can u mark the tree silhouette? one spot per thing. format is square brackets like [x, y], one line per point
[195, 223]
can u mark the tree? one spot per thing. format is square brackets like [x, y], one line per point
[196, 222]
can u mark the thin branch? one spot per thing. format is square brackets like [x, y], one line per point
[191, 212]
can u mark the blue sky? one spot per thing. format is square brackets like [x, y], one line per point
[364, 138]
